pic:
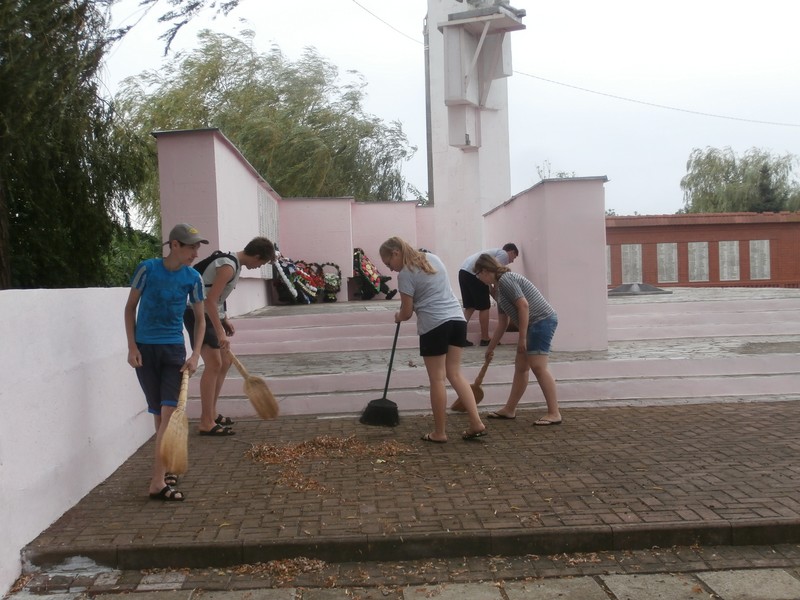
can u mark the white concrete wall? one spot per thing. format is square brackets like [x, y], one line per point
[466, 182]
[73, 410]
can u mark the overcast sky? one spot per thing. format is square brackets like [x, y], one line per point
[622, 88]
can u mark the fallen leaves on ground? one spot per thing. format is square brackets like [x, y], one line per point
[283, 570]
[292, 457]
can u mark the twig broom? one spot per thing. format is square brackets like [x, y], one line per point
[257, 391]
[477, 390]
[175, 441]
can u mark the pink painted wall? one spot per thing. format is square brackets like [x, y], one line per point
[559, 227]
[318, 230]
[205, 181]
[375, 222]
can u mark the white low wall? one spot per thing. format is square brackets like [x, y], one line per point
[72, 408]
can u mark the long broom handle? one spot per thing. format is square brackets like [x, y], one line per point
[184, 393]
[239, 366]
[391, 360]
[482, 372]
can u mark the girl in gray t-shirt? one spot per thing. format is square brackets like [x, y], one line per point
[425, 290]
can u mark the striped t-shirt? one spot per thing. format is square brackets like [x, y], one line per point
[513, 286]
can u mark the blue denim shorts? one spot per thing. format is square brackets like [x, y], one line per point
[540, 335]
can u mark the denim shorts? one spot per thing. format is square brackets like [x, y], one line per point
[438, 340]
[160, 374]
[540, 335]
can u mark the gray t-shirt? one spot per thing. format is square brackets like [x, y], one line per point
[434, 300]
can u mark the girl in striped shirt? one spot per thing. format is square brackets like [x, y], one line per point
[519, 301]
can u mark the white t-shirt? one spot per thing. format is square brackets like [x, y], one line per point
[210, 274]
[498, 253]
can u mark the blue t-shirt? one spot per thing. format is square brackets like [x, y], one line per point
[163, 300]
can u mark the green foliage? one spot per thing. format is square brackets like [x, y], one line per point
[65, 166]
[719, 181]
[182, 12]
[297, 123]
[128, 248]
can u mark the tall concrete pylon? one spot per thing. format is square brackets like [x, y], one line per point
[468, 49]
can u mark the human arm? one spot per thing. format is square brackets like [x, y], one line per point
[406, 308]
[224, 274]
[502, 325]
[199, 334]
[228, 326]
[522, 311]
[134, 356]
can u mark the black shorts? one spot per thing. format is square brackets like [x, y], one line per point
[210, 338]
[437, 341]
[474, 293]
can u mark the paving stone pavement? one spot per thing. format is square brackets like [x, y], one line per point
[605, 483]
[722, 573]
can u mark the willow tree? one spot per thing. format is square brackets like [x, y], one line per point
[758, 181]
[65, 164]
[300, 125]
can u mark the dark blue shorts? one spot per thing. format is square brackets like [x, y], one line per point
[439, 339]
[160, 374]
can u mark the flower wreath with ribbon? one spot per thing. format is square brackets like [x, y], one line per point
[364, 266]
[333, 281]
[282, 265]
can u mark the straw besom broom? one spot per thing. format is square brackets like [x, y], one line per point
[175, 442]
[257, 391]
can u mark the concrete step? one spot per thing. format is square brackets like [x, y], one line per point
[319, 362]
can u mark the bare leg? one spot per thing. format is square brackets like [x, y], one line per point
[518, 385]
[435, 366]
[547, 383]
[468, 313]
[159, 470]
[462, 387]
[210, 385]
[483, 319]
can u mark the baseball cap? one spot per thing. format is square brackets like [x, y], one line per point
[186, 234]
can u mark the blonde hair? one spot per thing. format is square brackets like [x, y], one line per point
[488, 263]
[412, 259]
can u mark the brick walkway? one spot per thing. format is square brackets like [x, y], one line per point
[606, 479]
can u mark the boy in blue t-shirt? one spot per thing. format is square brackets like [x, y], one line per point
[160, 288]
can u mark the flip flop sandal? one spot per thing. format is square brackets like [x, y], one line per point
[219, 431]
[224, 421]
[473, 435]
[168, 494]
[427, 438]
[543, 422]
[497, 415]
